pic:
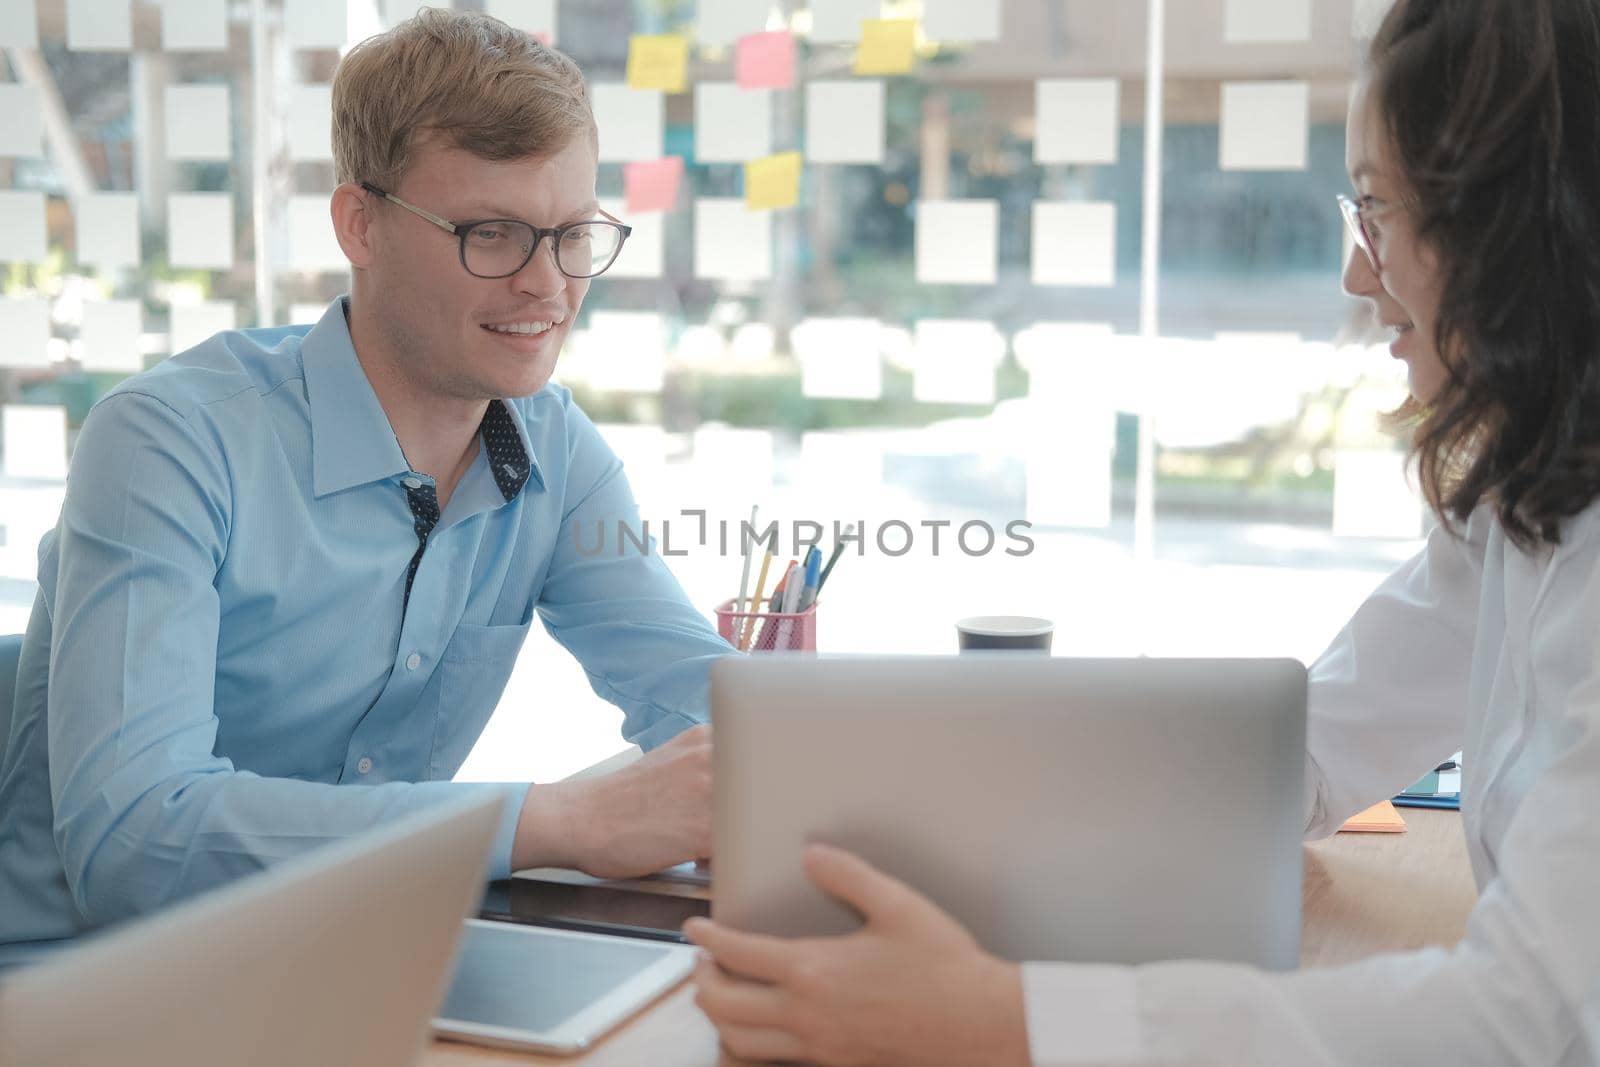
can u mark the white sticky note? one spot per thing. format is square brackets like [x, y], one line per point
[1077, 120]
[36, 440]
[643, 254]
[535, 16]
[200, 230]
[108, 230]
[731, 125]
[1265, 125]
[315, 23]
[1373, 495]
[1074, 244]
[313, 248]
[192, 324]
[630, 122]
[955, 361]
[199, 123]
[720, 23]
[957, 241]
[731, 242]
[627, 351]
[839, 21]
[108, 339]
[24, 331]
[1266, 21]
[1367, 16]
[961, 20]
[311, 123]
[22, 227]
[21, 121]
[194, 25]
[19, 24]
[844, 121]
[839, 358]
[99, 25]
[397, 11]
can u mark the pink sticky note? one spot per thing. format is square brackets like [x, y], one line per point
[653, 185]
[765, 61]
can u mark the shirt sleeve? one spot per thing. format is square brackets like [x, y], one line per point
[145, 811]
[617, 607]
[1522, 987]
[1387, 700]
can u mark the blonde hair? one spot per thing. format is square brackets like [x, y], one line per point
[462, 76]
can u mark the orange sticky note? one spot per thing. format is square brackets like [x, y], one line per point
[765, 61]
[652, 185]
[658, 61]
[773, 182]
[1381, 818]
[888, 46]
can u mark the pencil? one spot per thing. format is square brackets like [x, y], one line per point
[761, 585]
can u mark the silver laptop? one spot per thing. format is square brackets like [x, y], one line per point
[1118, 811]
[338, 957]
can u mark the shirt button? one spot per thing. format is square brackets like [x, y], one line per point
[413, 661]
[364, 765]
[411, 482]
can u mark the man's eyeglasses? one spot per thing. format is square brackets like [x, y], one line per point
[499, 248]
[1354, 212]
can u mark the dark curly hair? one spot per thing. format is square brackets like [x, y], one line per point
[1493, 110]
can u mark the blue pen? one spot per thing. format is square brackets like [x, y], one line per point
[808, 595]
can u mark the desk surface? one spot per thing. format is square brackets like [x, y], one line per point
[1364, 893]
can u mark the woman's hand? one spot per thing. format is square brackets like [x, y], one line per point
[911, 987]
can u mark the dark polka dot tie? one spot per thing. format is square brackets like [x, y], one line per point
[507, 459]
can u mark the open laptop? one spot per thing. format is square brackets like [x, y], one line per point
[338, 957]
[1119, 811]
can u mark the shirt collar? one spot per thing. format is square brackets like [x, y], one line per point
[352, 442]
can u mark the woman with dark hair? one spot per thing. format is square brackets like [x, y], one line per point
[1474, 150]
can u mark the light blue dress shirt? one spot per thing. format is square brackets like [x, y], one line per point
[220, 673]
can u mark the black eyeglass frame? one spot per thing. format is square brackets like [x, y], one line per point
[460, 230]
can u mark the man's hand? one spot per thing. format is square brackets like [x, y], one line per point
[911, 987]
[651, 814]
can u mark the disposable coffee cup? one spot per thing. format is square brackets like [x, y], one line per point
[1005, 633]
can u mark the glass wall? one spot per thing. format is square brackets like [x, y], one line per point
[951, 338]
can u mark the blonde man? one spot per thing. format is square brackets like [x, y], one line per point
[295, 566]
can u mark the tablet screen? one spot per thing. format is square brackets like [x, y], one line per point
[531, 979]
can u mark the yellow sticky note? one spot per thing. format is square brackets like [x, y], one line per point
[658, 61]
[888, 46]
[773, 182]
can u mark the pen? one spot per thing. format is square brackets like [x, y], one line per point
[766, 639]
[761, 584]
[808, 594]
[792, 596]
[838, 550]
[745, 550]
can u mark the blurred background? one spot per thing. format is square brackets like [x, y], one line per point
[955, 328]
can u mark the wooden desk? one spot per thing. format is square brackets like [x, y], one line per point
[1364, 893]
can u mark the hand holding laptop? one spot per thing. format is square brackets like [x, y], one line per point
[873, 986]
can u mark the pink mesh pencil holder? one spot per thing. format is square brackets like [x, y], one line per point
[768, 631]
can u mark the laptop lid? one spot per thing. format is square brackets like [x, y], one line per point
[1093, 810]
[337, 957]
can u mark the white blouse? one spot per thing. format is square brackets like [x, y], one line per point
[1473, 645]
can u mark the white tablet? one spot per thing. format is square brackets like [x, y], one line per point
[544, 990]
